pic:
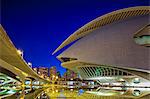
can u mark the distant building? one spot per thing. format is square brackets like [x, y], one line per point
[69, 74]
[53, 71]
[58, 74]
[44, 71]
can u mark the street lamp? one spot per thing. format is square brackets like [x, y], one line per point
[30, 64]
[56, 77]
[20, 52]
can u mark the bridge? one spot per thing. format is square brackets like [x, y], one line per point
[12, 61]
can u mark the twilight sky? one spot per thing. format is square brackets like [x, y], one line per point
[38, 27]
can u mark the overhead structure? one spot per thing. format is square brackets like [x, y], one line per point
[12, 60]
[106, 19]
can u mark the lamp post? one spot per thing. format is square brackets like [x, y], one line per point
[30, 64]
[20, 52]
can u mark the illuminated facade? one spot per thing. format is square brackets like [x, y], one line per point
[53, 71]
[112, 48]
[44, 71]
[69, 74]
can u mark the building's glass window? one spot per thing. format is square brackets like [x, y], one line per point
[98, 71]
[136, 92]
[136, 80]
[143, 40]
[142, 37]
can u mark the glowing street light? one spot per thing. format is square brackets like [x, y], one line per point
[56, 77]
[20, 52]
[56, 90]
[30, 64]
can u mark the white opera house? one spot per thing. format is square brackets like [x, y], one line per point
[111, 48]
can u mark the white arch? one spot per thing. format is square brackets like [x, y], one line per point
[104, 20]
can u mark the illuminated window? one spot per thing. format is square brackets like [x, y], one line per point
[136, 80]
[136, 92]
[142, 37]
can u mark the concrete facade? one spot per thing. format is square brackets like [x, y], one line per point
[113, 44]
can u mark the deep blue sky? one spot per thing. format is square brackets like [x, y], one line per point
[38, 27]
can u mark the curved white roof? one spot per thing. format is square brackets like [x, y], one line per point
[104, 20]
